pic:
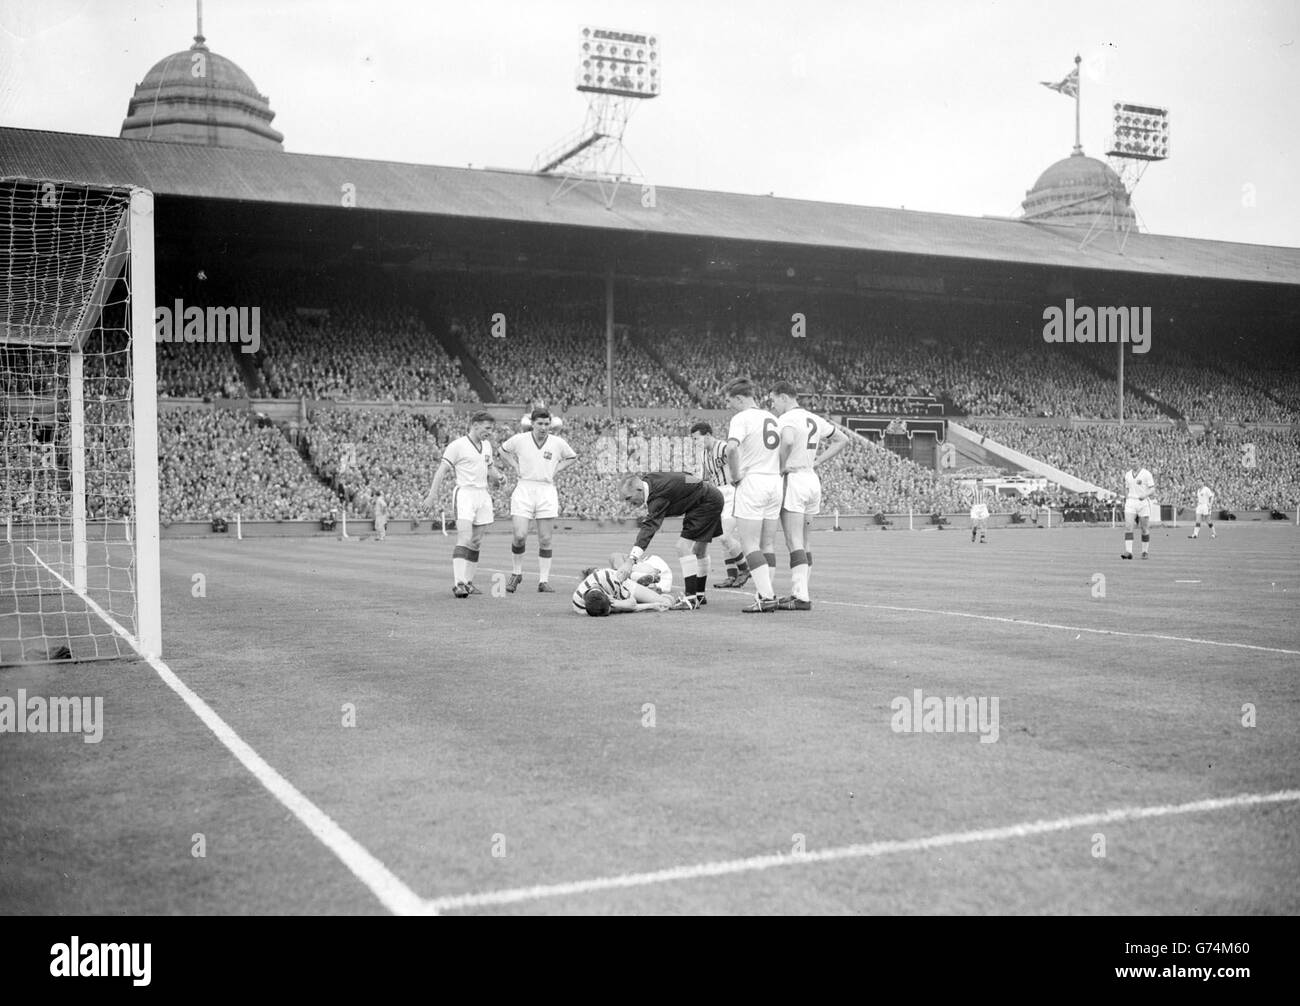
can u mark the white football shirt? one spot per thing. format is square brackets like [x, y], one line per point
[810, 430]
[471, 463]
[1138, 486]
[1204, 497]
[758, 433]
[538, 464]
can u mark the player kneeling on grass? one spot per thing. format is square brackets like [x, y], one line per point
[675, 494]
[611, 592]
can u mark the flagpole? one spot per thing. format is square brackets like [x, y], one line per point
[1078, 92]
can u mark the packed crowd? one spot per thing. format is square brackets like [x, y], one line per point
[1201, 391]
[198, 370]
[564, 362]
[1265, 477]
[220, 462]
[364, 453]
[356, 352]
[360, 340]
[981, 375]
[716, 353]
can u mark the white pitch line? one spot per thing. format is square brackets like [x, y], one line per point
[847, 852]
[1071, 628]
[1023, 621]
[382, 882]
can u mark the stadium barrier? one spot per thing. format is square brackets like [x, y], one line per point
[363, 529]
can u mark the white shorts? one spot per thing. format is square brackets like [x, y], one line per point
[535, 500]
[758, 497]
[1202, 511]
[803, 492]
[1135, 509]
[654, 564]
[473, 505]
[980, 522]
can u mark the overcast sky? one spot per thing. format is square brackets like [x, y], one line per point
[928, 105]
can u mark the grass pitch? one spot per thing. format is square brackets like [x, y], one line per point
[687, 762]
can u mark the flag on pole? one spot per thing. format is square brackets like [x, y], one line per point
[1068, 87]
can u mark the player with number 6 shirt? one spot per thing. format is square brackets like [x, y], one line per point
[753, 462]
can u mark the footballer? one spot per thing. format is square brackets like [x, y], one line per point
[754, 468]
[676, 494]
[979, 520]
[1139, 486]
[470, 457]
[802, 433]
[537, 456]
[713, 464]
[1204, 500]
[610, 592]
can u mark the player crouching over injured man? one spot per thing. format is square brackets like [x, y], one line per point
[612, 592]
[676, 494]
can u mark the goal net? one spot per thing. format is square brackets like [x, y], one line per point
[78, 424]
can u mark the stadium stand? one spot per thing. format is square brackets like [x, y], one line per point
[1180, 461]
[219, 462]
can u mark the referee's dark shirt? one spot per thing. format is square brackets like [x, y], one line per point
[672, 494]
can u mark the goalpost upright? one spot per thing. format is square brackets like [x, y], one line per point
[79, 437]
[145, 422]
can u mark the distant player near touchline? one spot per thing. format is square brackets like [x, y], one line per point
[979, 519]
[381, 517]
[1138, 487]
[713, 465]
[675, 494]
[802, 433]
[1204, 500]
[754, 465]
[470, 457]
[537, 456]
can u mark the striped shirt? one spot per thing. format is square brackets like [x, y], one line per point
[601, 579]
[713, 464]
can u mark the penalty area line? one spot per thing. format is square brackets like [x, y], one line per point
[378, 879]
[1070, 628]
[871, 850]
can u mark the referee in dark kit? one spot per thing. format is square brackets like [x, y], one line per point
[676, 494]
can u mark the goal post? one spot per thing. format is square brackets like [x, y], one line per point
[79, 560]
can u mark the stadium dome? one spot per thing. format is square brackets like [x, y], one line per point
[1075, 190]
[198, 96]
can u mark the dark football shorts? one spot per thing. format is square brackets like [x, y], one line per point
[703, 521]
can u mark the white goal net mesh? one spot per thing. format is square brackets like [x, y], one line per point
[67, 483]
